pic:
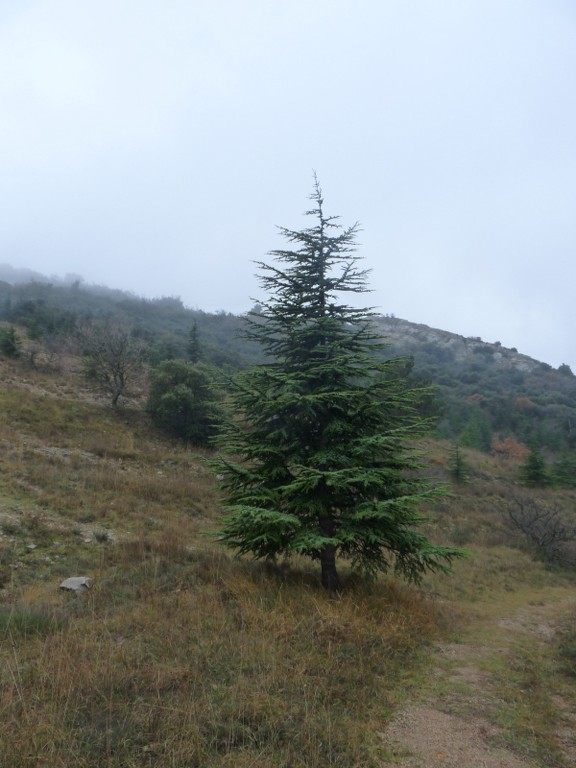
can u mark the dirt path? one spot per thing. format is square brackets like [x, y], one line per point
[456, 723]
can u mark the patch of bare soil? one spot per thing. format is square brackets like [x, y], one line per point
[427, 738]
[457, 733]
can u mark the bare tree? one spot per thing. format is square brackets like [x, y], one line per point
[543, 525]
[112, 354]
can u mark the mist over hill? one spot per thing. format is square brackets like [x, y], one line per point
[483, 392]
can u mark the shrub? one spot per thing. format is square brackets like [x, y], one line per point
[544, 526]
[184, 401]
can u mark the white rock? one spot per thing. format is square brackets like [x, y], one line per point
[76, 584]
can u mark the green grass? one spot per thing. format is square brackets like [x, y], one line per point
[24, 621]
[566, 647]
[525, 681]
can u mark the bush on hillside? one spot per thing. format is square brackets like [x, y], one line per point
[544, 525]
[184, 401]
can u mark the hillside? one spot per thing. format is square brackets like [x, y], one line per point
[458, 349]
[487, 390]
[180, 655]
[483, 392]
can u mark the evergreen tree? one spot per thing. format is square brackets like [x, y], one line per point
[534, 472]
[10, 344]
[321, 467]
[564, 471]
[477, 433]
[193, 346]
[457, 465]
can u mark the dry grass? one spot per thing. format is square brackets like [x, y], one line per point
[182, 657]
[179, 655]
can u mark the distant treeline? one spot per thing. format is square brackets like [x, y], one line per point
[476, 401]
[164, 324]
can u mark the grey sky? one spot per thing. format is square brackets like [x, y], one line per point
[154, 147]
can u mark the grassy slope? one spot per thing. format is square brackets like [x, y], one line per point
[180, 655]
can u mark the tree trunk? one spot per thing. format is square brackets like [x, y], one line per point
[330, 578]
[115, 395]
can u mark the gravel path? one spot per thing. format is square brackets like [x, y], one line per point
[437, 740]
[457, 733]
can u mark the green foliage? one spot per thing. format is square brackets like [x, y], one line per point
[162, 325]
[459, 470]
[534, 472]
[476, 433]
[564, 471]
[10, 344]
[516, 396]
[28, 620]
[323, 469]
[183, 400]
[193, 347]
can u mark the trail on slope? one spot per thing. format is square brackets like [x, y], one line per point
[454, 723]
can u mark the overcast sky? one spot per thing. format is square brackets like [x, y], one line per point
[154, 147]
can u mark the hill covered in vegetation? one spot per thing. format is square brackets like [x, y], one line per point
[487, 392]
[181, 655]
[486, 396]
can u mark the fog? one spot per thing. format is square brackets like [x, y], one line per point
[155, 148]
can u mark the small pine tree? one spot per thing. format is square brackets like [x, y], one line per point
[564, 471]
[477, 433]
[458, 466]
[193, 348]
[10, 344]
[318, 461]
[534, 472]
